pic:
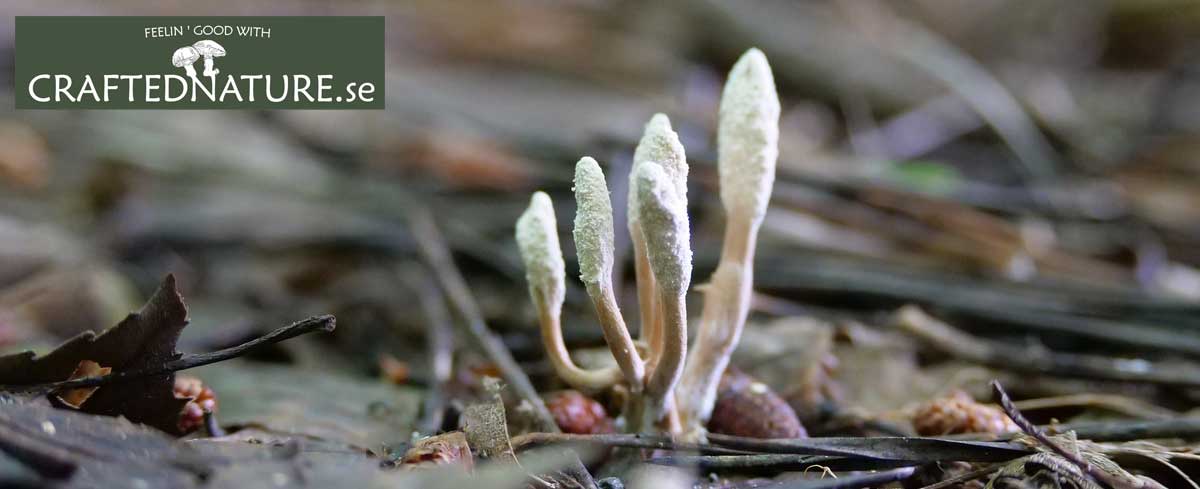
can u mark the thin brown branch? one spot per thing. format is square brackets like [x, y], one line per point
[437, 254]
[652, 442]
[439, 342]
[910, 448]
[1030, 429]
[317, 323]
[773, 463]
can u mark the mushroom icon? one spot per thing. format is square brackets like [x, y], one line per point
[184, 57]
[209, 49]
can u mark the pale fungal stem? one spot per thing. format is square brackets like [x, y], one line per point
[664, 221]
[659, 144]
[594, 246]
[645, 291]
[650, 309]
[647, 305]
[747, 147]
[537, 238]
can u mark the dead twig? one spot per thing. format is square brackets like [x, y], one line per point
[911, 448]
[1030, 429]
[324, 323]
[439, 343]
[774, 463]
[435, 252]
[623, 440]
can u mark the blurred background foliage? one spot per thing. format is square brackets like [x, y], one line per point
[1022, 165]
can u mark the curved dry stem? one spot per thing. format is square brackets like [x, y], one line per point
[616, 335]
[560, 358]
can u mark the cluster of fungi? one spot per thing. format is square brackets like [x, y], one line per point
[672, 387]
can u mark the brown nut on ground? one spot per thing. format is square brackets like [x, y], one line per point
[747, 407]
[958, 413]
[579, 414]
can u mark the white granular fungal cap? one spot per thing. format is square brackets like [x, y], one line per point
[537, 237]
[748, 135]
[593, 222]
[664, 227]
[661, 145]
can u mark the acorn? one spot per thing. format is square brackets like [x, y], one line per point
[747, 407]
[579, 414]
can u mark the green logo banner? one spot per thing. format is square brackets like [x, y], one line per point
[199, 63]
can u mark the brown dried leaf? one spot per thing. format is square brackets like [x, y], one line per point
[86, 368]
[487, 428]
[143, 339]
